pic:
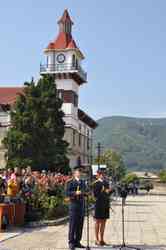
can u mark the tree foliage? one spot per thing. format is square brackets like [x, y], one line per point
[162, 176]
[114, 162]
[130, 178]
[36, 135]
[141, 142]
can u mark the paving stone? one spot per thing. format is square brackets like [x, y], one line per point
[145, 226]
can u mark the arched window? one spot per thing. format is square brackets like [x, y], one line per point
[47, 61]
[73, 61]
[76, 64]
[79, 161]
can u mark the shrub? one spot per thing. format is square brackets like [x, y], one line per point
[45, 205]
[130, 178]
[162, 176]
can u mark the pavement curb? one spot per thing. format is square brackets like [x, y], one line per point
[56, 222]
[43, 223]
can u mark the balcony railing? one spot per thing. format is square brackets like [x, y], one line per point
[63, 68]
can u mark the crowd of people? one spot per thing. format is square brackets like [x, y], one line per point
[21, 182]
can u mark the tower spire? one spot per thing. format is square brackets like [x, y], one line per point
[65, 23]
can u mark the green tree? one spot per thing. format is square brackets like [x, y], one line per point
[36, 135]
[130, 178]
[162, 175]
[114, 162]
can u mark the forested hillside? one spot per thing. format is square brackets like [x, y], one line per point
[142, 142]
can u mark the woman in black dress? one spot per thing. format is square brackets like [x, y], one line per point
[101, 192]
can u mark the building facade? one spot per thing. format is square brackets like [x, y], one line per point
[63, 60]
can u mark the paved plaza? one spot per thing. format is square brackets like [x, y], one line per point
[145, 226]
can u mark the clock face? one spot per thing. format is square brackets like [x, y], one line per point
[60, 58]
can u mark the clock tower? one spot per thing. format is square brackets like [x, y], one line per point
[63, 62]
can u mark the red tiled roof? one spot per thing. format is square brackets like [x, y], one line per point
[8, 95]
[72, 45]
[64, 40]
[61, 42]
[65, 17]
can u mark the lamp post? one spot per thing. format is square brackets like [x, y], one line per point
[98, 154]
[99, 147]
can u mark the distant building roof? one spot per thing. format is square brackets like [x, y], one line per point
[8, 95]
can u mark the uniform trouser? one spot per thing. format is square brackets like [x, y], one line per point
[75, 226]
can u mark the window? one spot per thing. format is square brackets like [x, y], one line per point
[88, 143]
[88, 140]
[76, 64]
[67, 27]
[80, 136]
[73, 61]
[74, 137]
[75, 100]
[79, 161]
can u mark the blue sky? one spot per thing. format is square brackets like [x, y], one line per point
[124, 43]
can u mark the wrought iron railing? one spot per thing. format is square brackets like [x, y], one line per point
[63, 67]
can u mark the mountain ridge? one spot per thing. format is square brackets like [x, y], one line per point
[141, 141]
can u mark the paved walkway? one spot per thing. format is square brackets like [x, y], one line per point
[145, 226]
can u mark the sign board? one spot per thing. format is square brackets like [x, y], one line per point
[95, 168]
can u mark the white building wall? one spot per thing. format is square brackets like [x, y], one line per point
[85, 128]
[70, 121]
[71, 112]
[52, 56]
[69, 109]
[4, 118]
[67, 84]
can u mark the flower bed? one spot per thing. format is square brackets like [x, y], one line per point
[46, 203]
[42, 192]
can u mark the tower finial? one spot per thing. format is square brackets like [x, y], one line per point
[65, 22]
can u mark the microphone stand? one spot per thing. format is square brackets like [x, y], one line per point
[123, 245]
[87, 214]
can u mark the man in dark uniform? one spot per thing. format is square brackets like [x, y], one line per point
[76, 189]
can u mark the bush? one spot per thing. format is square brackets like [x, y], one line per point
[130, 178]
[53, 207]
[162, 176]
[43, 205]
